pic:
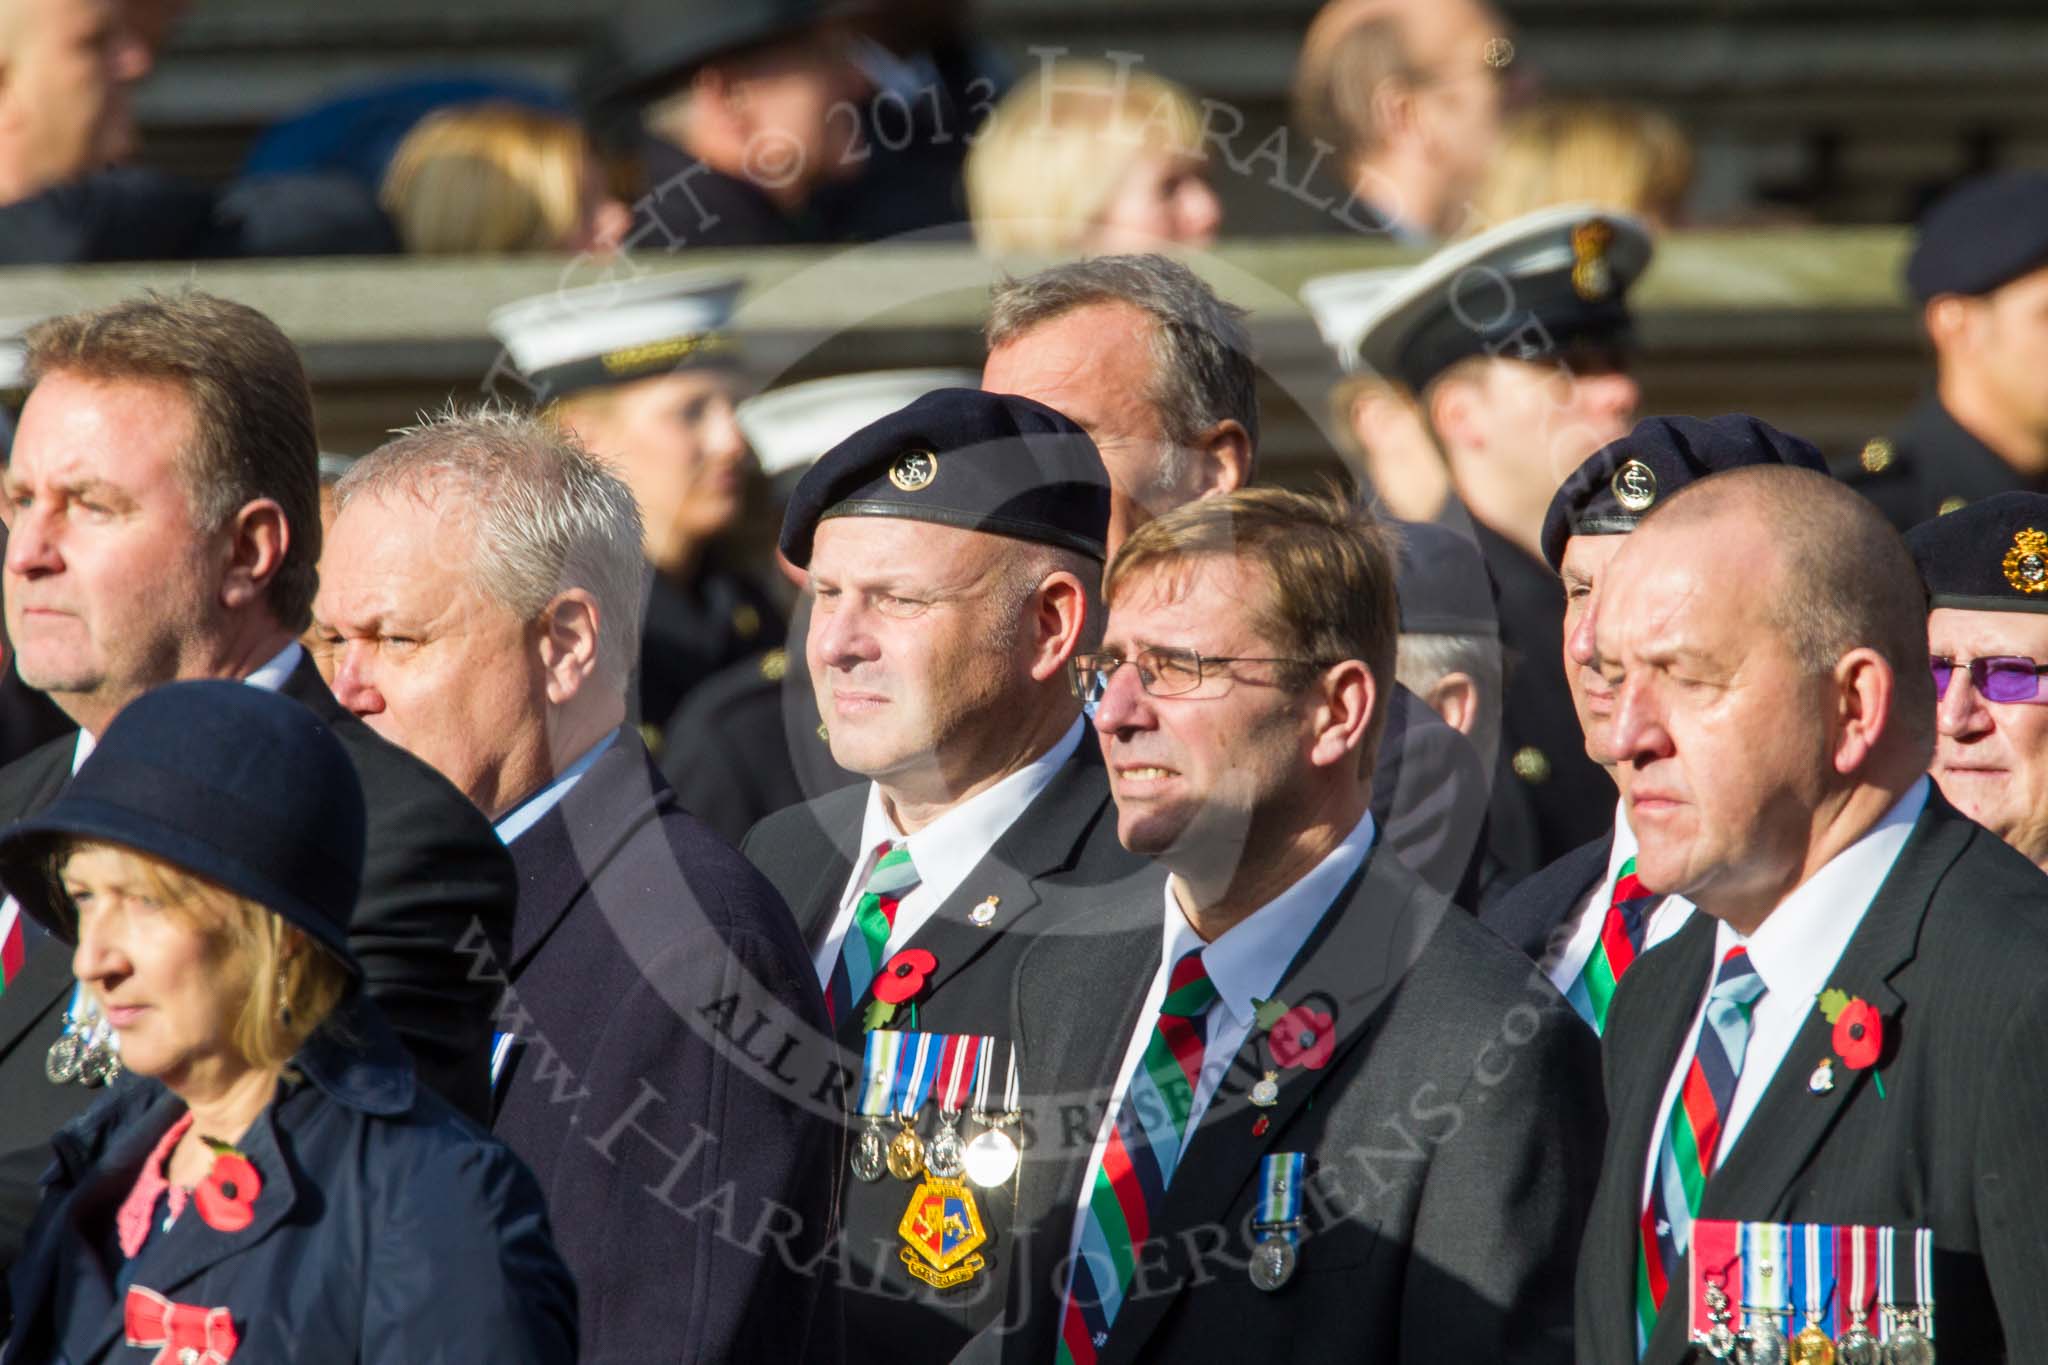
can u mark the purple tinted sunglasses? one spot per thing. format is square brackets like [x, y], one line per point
[1996, 678]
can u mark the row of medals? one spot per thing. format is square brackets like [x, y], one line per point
[989, 1160]
[1906, 1341]
[84, 1055]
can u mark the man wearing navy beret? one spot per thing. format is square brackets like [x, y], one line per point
[955, 552]
[1986, 571]
[1979, 274]
[1585, 918]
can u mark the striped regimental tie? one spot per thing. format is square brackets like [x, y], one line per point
[892, 877]
[1692, 1135]
[1621, 939]
[1138, 1161]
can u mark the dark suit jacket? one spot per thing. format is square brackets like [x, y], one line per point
[437, 887]
[1452, 1138]
[656, 980]
[1953, 952]
[1059, 857]
[1530, 916]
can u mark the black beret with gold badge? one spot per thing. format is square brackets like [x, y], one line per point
[1989, 556]
[1620, 482]
[991, 462]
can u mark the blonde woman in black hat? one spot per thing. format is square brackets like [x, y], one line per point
[274, 1185]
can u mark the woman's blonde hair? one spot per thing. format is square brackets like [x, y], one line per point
[289, 984]
[495, 177]
[1619, 156]
[1050, 158]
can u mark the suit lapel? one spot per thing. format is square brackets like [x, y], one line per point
[26, 786]
[566, 848]
[835, 851]
[1791, 1120]
[1349, 969]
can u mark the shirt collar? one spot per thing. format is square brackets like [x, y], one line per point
[528, 813]
[947, 849]
[1248, 960]
[270, 677]
[1798, 945]
[1625, 846]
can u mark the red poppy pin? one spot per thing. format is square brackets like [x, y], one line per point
[1859, 1029]
[903, 976]
[226, 1199]
[189, 1334]
[1302, 1037]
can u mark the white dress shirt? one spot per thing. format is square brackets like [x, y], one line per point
[528, 813]
[1245, 963]
[943, 852]
[1795, 951]
[1666, 919]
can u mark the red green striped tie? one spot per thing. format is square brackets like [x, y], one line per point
[867, 939]
[1614, 952]
[1137, 1161]
[1692, 1135]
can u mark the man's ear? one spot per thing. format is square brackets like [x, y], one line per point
[1224, 457]
[258, 539]
[1340, 723]
[1455, 697]
[568, 643]
[1060, 614]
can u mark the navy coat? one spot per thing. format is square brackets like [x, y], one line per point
[673, 1084]
[389, 1229]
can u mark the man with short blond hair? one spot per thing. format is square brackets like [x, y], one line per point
[1231, 1046]
[481, 597]
[163, 524]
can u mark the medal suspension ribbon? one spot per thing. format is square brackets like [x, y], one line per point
[1766, 1271]
[959, 1062]
[1923, 1278]
[1280, 1196]
[1857, 1243]
[878, 1072]
[913, 1077]
[1812, 1277]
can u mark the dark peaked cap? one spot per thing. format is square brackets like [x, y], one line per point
[1983, 234]
[980, 461]
[1989, 556]
[1620, 482]
[1442, 582]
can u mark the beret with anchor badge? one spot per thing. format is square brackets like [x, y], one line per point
[991, 462]
[1619, 483]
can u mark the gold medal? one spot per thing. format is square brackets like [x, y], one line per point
[1813, 1346]
[942, 1234]
[906, 1154]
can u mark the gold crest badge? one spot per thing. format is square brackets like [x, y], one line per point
[1634, 486]
[1592, 277]
[2026, 563]
[914, 469]
[942, 1233]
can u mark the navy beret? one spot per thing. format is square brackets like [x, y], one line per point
[1984, 233]
[980, 461]
[1442, 583]
[1620, 482]
[1991, 555]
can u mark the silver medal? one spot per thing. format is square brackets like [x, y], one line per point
[1857, 1347]
[1761, 1343]
[1273, 1263]
[991, 1159]
[946, 1158]
[61, 1063]
[1909, 1346]
[98, 1065]
[870, 1154]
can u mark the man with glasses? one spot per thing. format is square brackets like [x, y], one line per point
[1298, 1106]
[1986, 570]
[954, 549]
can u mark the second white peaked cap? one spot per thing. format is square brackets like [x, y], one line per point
[1568, 267]
[1341, 303]
[615, 333]
[790, 427]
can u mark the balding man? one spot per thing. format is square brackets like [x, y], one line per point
[1851, 1031]
[1409, 92]
[1986, 571]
